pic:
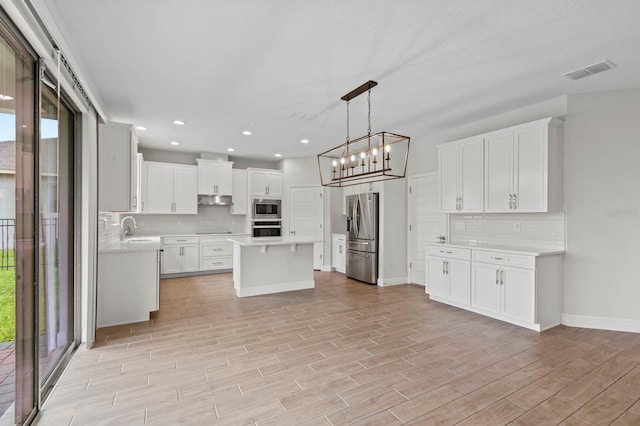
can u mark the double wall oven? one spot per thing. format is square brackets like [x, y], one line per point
[266, 218]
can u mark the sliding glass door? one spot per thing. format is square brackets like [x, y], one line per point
[55, 223]
[18, 147]
[37, 279]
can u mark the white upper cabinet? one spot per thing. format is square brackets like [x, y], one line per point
[214, 177]
[117, 167]
[510, 170]
[265, 183]
[522, 168]
[461, 166]
[239, 195]
[171, 188]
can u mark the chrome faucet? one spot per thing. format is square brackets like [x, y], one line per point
[127, 230]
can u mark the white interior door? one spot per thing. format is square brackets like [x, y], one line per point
[306, 216]
[425, 222]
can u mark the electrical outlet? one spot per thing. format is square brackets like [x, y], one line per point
[516, 226]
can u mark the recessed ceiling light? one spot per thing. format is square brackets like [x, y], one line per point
[141, 128]
[174, 143]
[179, 122]
[246, 133]
[277, 155]
[230, 149]
[304, 141]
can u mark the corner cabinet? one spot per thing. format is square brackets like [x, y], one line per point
[522, 168]
[171, 188]
[214, 177]
[265, 183]
[461, 166]
[117, 167]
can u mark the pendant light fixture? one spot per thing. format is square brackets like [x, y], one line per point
[369, 158]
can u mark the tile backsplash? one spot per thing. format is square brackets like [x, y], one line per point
[530, 230]
[209, 219]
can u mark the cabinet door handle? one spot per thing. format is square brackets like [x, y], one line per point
[135, 202]
[444, 271]
[497, 276]
[499, 258]
[515, 201]
[502, 277]
[142, 204]
[447, 267]
[340, 249]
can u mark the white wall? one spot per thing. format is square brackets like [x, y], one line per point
[602, 202]
[393, 244]
[423, 156]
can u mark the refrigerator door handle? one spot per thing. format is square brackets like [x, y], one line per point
[357, 216]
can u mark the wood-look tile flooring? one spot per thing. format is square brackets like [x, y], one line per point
[342, 353]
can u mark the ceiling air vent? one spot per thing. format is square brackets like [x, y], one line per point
[590, 70]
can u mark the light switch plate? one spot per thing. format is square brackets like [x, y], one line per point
[516, 226]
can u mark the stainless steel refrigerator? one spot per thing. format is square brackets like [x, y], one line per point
[362, 237]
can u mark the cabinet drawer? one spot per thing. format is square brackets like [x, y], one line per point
[444, 251]
[506, 259]
[219, 249]
[215, 240]
[338, 238]
[212, 263]
[179, 240]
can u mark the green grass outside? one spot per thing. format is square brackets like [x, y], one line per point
[8, 302]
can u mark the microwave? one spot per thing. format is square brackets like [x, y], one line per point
[266, 209]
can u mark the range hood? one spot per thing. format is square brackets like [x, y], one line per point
[214, 200]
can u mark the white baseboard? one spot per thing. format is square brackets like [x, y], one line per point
[601, 323]
[327, 268]
[386, 282]
[275, 288]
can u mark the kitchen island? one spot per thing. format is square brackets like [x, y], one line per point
[269, 265]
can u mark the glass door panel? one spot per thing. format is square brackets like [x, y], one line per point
[56, 232]
[17, 199]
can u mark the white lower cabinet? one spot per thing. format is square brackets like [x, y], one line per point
[448, 276]
[180, 255]
[523, 289]
[339, 252]
[215, 253]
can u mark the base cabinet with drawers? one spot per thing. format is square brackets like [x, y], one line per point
[215, 253]
[521, 288]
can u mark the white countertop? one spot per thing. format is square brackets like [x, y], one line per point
[138, 243]
[271, 241]
[502, 249]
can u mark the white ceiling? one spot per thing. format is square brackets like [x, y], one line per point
[279, 67]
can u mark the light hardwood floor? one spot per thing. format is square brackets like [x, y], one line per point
[342, 353]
